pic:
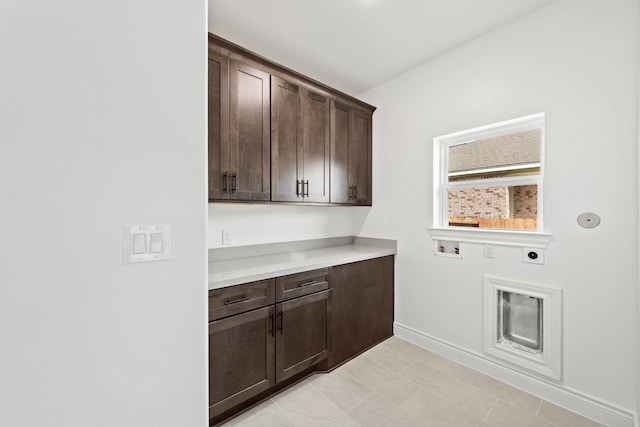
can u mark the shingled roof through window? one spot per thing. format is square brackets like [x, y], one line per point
[508, 150]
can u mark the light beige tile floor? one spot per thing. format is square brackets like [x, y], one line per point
[399, 384]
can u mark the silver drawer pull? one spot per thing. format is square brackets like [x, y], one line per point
[235, 301]
[313, 282]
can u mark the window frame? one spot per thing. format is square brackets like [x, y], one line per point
[441, 185]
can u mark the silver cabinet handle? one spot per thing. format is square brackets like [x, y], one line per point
[352, 192]
[234, 181]
[298, 192]
[235, 301]
[312, 282]
[272, 325]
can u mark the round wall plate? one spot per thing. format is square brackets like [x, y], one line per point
[588, 220]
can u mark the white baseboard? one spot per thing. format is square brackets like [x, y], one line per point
[572, 400]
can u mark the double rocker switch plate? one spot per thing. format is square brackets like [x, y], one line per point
[144, 243]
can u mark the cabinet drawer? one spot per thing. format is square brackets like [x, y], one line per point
[240, 298]
[299, 284]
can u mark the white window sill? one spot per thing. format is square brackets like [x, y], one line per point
[524, 239]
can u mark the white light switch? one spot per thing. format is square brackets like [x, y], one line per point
[139, 243]
[156, 243]
[489, 251]
[144, 243]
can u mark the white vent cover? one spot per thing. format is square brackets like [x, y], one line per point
[523, 325]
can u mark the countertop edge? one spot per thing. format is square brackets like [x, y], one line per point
[343, 255]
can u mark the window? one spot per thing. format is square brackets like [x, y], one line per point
[491, 177]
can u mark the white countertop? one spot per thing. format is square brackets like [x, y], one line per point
[249, 269]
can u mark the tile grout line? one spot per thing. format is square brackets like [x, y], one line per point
[293, 423]
[396, 359]
[440, 372]
[400, 377]
[400, 407]
[544, 419]
[539, 407]
[371, 393]
[449, 362]
[387, 369]
[502, 397]
[360, 403]
[412, 358]
[404, 411]
[416, 392]
[490, 409]
[406, 367]
[333, 403]
[282, 412]
[409, 379]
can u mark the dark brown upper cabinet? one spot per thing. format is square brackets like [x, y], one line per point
[239, 141]
[218, 112]
[286, 124]
[314, 154]
[276, 135]
[350, 154]
[299, 143]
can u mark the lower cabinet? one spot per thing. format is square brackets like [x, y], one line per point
[241, 358]
[272, 340]
[263, 334]
[301, 340]
[362, 307]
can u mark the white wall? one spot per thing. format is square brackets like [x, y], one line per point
[102, 123]
[638, 263]
[577, 62]
[252, 224]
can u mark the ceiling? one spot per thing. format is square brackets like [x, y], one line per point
[353, 45]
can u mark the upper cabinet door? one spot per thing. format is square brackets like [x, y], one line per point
[350, 155]
[313, 157]
[286, 130]
[218, 112]
[249, 159]
[299, 143]
[340, 137]
[360, 158]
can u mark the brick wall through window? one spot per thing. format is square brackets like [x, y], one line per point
[494, 202]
